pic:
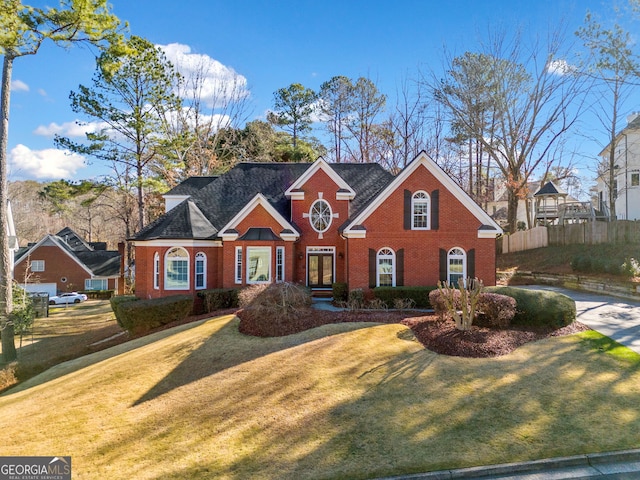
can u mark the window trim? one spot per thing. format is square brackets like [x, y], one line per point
[425, 198]
[451, 256]
[248, 265]
[635, 179]
[329, 222]
[280, 266]
[156, 271]
[169, 260]
[200, 258]
[238, 264]
[380, 256]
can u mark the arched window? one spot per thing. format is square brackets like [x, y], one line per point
[456, 266]
[420, 211]
[320, 216]
[156, 270]
[386, 268]
[176, 269]
[201, 271]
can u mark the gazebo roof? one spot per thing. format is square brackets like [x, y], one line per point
[550, 189]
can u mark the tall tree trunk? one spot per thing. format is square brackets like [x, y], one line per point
[512, 211]
[8, 343]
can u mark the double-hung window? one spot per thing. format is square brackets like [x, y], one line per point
[386, 268]
[201, 271]
[420, 211]
[37, 265]
[456, 266]
[279, 264]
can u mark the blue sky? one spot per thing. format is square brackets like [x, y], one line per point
[272, 44]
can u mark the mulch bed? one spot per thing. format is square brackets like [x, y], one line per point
[437, 336]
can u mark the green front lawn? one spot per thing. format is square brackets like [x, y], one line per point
[340, 401]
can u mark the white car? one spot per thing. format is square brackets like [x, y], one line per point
[66, 298]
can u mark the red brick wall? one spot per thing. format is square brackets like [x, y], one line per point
[57, 265]
[144, 270]
[320, 182]
[385, 228]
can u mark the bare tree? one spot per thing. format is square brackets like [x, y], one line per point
[535, 99]
[614, 67]
[366, 104]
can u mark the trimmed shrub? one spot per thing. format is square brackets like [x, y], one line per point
[98, 294]
[420, 295]
[275, 309]
[539, 308]
[145, 315]
[404, 303]
[117, 301]
[340, 292]
[219, 298]
[495, 310]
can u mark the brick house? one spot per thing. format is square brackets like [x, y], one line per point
[65, 262]
[315, 224]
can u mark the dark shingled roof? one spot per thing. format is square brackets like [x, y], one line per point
[255, 233]
[222, 199]
[549, 188]
[102, 263]
[191, 185]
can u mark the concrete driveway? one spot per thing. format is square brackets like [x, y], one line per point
[615, 317]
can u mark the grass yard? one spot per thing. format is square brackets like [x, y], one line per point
[340, 401]
[68, 332]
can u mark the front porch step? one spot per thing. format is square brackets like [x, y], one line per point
[322, 293]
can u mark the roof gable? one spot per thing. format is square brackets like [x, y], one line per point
[229, 232]
[488, 225]
[345, 192]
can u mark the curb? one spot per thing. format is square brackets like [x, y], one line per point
[492, 471]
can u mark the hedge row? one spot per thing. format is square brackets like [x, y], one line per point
[420, 295]
[218, 298]
[139, 316]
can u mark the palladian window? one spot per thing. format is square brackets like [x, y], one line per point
[176, 273]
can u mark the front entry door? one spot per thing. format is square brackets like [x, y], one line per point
[320, 270]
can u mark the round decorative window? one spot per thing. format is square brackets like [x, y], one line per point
[63, 279]
[320, 216]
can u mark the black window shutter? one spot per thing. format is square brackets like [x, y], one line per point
[435, 210]
[407, 210]
[471, 263]
[443, 265]
[400, 268]
[372, 268]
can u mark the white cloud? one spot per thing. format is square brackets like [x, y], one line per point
[560, 67]
[19, 86]
[75, 129]
[215, 83]
[50, 163]
[42, 92]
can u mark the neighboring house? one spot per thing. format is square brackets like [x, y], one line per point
[65, 262]
[317, 224]
[626, 184]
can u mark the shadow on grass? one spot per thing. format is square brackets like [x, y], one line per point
[228, 348]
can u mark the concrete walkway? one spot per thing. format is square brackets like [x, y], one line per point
[617, 318]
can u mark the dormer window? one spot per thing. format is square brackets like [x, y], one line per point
[320, 216]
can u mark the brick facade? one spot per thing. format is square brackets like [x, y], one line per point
[418, 254]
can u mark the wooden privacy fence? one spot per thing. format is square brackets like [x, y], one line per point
[589, 233]
[524, 240]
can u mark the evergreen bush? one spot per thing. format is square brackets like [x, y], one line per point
[539, 308]
[420, 295]
[144, 315]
